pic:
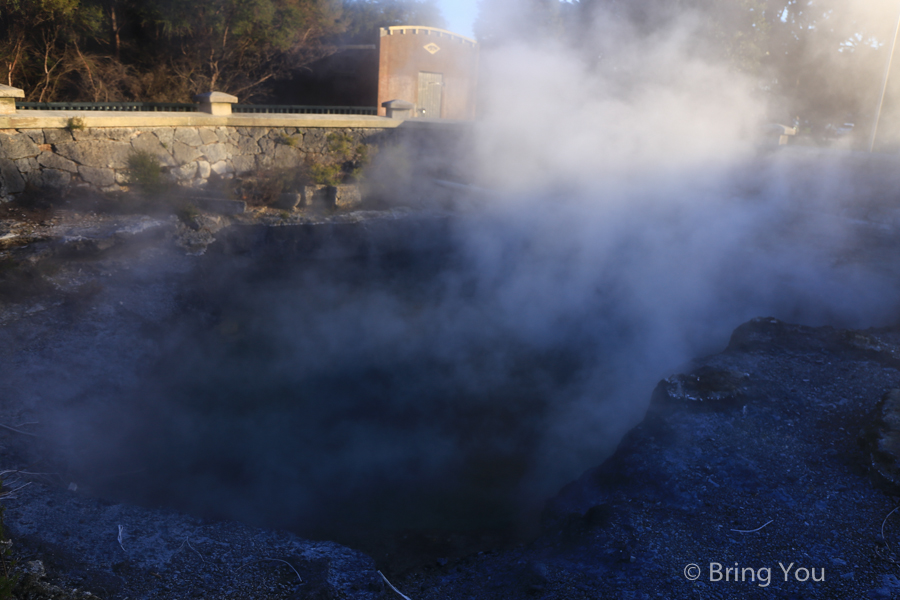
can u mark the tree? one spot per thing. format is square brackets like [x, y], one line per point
[158, 49]
[40, 41]
[236, 45]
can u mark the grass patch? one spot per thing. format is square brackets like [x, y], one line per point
[286, 140]
[75, 124]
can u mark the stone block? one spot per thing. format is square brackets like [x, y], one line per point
[347, 197]
[214, 152]
[56, 179]
[187, 171]
[243, 164]
[321, 196]
[107, 155]
[203, 169]
[36, 135]
[222, 134]
[115, 134]
[55, 161]
[16, 145]
[149, 142]
[98, 177]
[8, 95]
[215, 103]
[188, 136]
[166, 135]
[27, 165]
[222, 167]
[56, 136]
[286, 157]
[207, 135]
[11, 181]
[247, 145]
[267, 145]
[185, 153]
[316, 141]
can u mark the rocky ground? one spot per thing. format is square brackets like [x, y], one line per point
[79, 291]
[760, 458]
[772, 455]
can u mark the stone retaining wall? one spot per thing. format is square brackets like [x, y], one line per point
[97, 157]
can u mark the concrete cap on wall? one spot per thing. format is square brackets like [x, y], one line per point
[7, 91]
[215, 103]
[8, 95]
[398, 109]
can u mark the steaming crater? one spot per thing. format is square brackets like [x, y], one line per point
[335, 382]
[444, 373]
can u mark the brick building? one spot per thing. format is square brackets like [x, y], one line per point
[435, 70]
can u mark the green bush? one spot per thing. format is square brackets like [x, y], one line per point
[144, 171]
[266, 187]
[326, 174]
[340, 144]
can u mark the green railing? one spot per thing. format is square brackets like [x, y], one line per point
[295, 109]
[180, 107]
[109, 106]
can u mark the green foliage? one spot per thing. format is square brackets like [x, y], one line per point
[144, 171]
[326, 174]
[352, 159]
[164, 50]
[339, 144]
[75, 124]
[287, 140]
[187, 212]
[266, 186]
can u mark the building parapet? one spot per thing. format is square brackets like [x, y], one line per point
[417, 30]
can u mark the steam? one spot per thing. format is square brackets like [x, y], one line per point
[635, 215]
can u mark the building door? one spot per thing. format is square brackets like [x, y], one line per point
[431, 87]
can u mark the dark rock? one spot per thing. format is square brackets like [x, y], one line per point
[11, 182]
[288, 201]
[17, 146]
[707, 388]
[881, 441]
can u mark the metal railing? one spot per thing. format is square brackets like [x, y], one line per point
[109, 106]
[181, 107]
[296, 109]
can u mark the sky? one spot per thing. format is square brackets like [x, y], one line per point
[460, 14]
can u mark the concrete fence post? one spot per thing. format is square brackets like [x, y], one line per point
[8, 97]
[398, 109]
[215, 103]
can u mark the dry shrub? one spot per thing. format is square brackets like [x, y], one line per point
[266, 186]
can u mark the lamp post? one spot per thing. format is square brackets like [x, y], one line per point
[887, 72]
